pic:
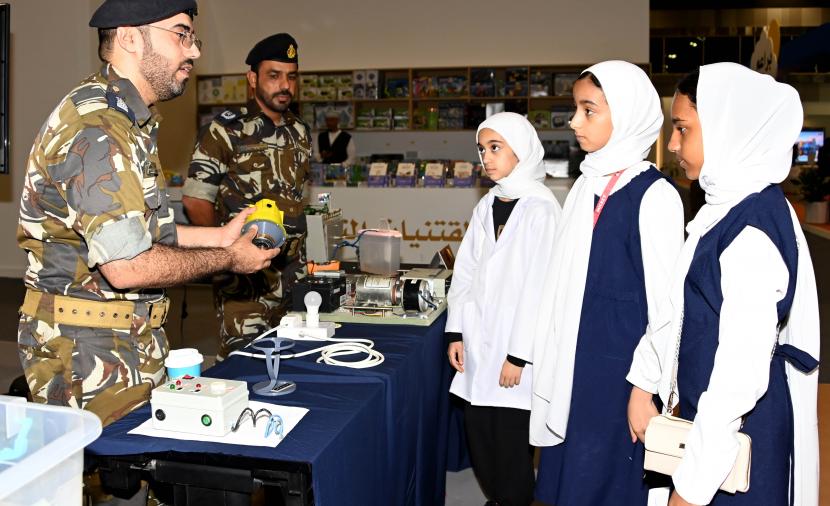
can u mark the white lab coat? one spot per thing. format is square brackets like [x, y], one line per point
[494, 297]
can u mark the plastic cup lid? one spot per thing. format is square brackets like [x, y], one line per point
[184, 357]
[380, 232]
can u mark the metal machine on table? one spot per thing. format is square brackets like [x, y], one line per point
[413, 297]
[381, 293]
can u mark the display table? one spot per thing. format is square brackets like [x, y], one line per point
[372, 436]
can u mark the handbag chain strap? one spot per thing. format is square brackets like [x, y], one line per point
[671, 404]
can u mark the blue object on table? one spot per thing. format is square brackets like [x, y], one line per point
[274, 426]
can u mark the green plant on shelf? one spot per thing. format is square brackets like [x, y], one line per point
[813, 184]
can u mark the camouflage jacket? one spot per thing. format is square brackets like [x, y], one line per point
[94, 191]
[243, 157]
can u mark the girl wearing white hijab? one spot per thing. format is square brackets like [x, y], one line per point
[621, 231]
[495, 291]
[743, 317]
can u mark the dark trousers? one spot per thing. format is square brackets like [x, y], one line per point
[499, 450]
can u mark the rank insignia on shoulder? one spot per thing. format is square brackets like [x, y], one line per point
[119, 104]
[226, 117]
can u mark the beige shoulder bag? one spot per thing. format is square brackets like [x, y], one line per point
[666, 442]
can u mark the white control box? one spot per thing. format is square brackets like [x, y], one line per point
[198, 405]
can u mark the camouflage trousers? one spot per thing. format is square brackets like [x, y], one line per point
[108, 372]
[247, 306]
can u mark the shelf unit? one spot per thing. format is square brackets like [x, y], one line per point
[417, 99]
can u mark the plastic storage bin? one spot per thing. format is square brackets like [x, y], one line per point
[41, 452]
[380, 251]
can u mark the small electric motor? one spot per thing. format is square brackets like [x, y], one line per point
[268, 219]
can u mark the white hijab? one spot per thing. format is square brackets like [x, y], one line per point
[750, 123]
[527, 178]
[637, 117]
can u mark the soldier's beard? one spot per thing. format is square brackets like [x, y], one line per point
[271, 101]
[156, 70]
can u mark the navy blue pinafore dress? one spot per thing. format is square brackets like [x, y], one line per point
[770, 423]
[597, 464]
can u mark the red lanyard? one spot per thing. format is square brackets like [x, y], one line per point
[604, 197]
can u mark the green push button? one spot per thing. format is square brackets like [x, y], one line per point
[206, 421]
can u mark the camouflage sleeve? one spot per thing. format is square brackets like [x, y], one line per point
[105, 194]
[209, 165]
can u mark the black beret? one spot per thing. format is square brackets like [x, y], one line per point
[114, 13]
[280, 47]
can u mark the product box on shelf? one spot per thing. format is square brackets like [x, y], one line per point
[406, 174]
[540, 118]
[540, 83]
[328, 80]
[482, 83]
[383, 123]
[559, 118]
[462, 175]
[327, 93]
[396, 88]
[453, 86]
[435, 174]
[309, 93]
[343, 80]
[359, 83]
[424, 87]
[515, 83]
[563, 84]
[308, 80]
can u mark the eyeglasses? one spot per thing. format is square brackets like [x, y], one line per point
[186, 38]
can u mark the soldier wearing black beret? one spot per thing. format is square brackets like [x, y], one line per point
[280, 47]
[97, 227]
[267, 143]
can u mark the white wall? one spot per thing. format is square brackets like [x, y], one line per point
[53, 52]
[336, 35]
[48, 56]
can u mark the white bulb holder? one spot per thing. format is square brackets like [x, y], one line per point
[312, 302]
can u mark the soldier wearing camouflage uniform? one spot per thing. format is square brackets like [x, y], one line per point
[96, 225]
[260, 151]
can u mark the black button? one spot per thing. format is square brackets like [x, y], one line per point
[160, 415]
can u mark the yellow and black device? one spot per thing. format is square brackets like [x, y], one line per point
[268, 219]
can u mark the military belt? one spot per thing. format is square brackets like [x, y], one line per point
[114, 314]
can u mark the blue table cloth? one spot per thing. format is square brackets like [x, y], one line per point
[384, 435]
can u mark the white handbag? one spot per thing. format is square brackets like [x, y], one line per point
[666, 442]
